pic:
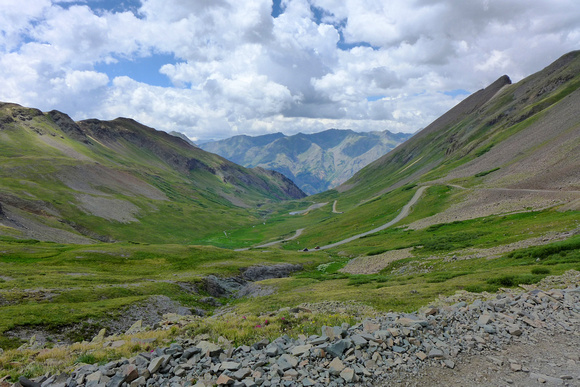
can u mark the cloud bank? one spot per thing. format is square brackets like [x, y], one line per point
[217, 68]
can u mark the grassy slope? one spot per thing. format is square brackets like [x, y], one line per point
[34, 171]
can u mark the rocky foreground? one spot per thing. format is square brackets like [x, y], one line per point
[370, 353]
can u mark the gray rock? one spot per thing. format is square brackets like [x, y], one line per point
[337, 349]
[348, 375]
[272, 350]
[301, 349]
[242, 373]
[287, 361]
[359, 341]
[259, 273]
[208, 348]
[230, 366]
[436, 353]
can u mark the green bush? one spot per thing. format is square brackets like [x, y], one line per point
[512, 280]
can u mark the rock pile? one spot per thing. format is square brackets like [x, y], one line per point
[365, 354]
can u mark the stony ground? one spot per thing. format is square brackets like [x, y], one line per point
[519, 337]
[543, 361]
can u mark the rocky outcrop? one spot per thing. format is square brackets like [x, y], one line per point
[68, 126]
[222, 287]
[241, 286]
[259, 273]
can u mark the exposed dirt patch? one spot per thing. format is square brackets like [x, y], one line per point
[32, 229]
[375, 263]
[495, 252]
[548, 153]
[539, 363]
[67, 150]
[109, 208]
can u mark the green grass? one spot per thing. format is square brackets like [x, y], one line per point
[100, 280]
[485, 173]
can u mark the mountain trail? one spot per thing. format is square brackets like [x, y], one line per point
[296, 235]
[403, 214]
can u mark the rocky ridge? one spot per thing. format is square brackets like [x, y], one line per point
[369, 353]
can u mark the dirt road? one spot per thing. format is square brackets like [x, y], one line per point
[404, 212]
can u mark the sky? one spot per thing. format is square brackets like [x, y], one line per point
[212, 69]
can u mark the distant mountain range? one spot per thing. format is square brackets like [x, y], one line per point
[315, 162]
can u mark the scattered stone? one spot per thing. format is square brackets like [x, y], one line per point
[301, 349]
[209, 349]
[362, 354]
[336, 366]
[224, 380]
[347, 374]
[135, 328]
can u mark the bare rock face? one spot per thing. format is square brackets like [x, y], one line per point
[242, 286]
[68, 126]
[222, 287]
[259, 273]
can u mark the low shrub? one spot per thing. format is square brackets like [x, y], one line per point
[540, 270]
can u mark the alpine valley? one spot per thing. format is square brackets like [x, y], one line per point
[129, 257]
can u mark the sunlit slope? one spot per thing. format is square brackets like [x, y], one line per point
[527, 133]
[505, 149]
[119, 180]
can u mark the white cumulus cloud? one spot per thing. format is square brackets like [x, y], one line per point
[230, 67]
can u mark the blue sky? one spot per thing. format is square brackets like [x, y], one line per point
[218, 68]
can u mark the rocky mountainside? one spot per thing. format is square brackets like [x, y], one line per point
[518, 144]
[315, 162]
[76, 182]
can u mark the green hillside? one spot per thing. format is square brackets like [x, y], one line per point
[119, 180]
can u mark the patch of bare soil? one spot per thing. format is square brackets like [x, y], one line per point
[234, 200]
[543, 361]
[109, 208]
[548, 153]
[67, 150]
[375, 263]
[91, 178]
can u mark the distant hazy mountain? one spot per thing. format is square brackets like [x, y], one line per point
[315, 162]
